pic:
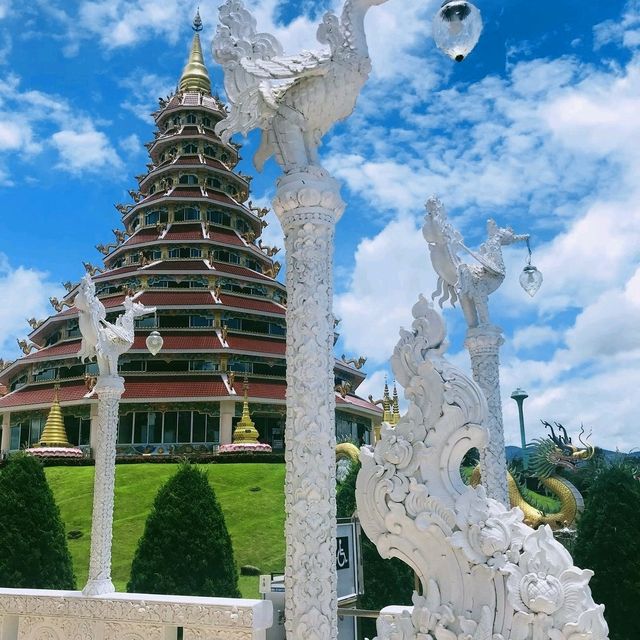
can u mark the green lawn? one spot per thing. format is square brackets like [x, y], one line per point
[255, 519]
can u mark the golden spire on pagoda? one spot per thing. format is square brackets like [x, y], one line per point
[195, 76]
[387, 416]
[245, 431]
[54, 433]
[395, 414]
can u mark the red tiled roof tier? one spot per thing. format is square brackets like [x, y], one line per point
[239, 271]
[260, 389]
[184, 232]
[228, 237]
[61, 349]
[186, 192]
[258, 345]
[176, 298]
[358, 402]
[113, 273]
[178, 265]
[182, 342]
[251, 303]
[36, 395]
[144, 235]
[109, 303]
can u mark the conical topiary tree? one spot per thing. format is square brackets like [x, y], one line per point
[185, 548]
[33, 546]
[607, 543]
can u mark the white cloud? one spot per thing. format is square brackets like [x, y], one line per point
[534, 336]
[88, 151]
[390, 271]
[24, 294]
[625, 31]
[143, 90]
[131, 145]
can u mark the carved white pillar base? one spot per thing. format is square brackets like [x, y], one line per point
[308, 205]
[6, 434]
[109, 390]
[484, 344]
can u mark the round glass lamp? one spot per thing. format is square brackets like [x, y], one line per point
[154, 343]
[457, 28]
[530, 280]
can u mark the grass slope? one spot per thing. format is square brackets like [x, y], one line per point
[255, 519]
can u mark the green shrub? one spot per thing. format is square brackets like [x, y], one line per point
[607, 542]
[33, 547]
[185, 548]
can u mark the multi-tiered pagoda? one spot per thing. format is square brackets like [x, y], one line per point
[190, 246]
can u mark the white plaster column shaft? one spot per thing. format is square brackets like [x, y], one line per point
[484, 344]
[109, 390]
[93, 428]
[6, 433]
[227, 411]
[308, 205]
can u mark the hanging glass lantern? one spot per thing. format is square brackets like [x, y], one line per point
[457, 28]
[530, 278]
[154, 342]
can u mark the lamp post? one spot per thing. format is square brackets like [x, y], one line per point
[106, 342]
[520, 395]
[295, 100]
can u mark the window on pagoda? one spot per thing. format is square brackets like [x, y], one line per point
[219, 217]
[188, 178]
[206, 121]
[135, 223]
[174, 321]
[242, 225]
[154, 217]
[191, 118]
[176, 120]
[185, 252]
[167, 366]
[78, 430]
[210, 150]
[203, 365]
[148, 322]
[214, 183]
[265, 369]
[73, 329]
[224, 157]
[53, 338]
[200, 321]
[74, 371]
[186, 213]
[136, 366]
[18, 382]
[254, 265]
[190, 148]
[26, 432]
[222, 255]
[152, 189]
[125, 429]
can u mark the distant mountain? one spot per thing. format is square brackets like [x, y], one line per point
[516, 452]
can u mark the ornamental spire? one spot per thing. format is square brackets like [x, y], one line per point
[195, 76]
[387, 416]
[54, 433]
[395, 406]
[245, 431]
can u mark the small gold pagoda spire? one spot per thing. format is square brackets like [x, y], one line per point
[395, 415]
[195, 76]
[245, 431]
[387, 416]
[54, 433]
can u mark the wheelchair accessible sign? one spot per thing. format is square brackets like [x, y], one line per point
[347, 561]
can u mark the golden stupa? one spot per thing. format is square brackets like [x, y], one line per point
[245, 431]
[195, 76]
[53, 441]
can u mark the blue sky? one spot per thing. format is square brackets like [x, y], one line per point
[538, 128]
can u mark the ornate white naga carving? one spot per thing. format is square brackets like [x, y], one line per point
[107, 342]
[484, 574]
[295, 100]
[471, 284]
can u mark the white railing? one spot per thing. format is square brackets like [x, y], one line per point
[38, 614]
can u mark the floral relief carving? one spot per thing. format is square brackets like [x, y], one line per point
[485, 575]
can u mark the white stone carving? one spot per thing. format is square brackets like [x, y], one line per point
[294, 99]
[35, 614]
[107, 342]
[102, 339]
[484, 574]
[471, 284]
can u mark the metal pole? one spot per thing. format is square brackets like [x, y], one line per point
[519, 395]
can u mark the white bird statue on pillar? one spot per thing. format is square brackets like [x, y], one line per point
[294, 99]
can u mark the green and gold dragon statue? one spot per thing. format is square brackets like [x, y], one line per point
[547, 457]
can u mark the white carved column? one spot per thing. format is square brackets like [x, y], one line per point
[6, 434]
[227, 412]
[109, 390]
[484, 343]
[308, 205]
[94, 430]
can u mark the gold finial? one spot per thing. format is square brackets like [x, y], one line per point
[395, 417]
[54, 433]
[245, 430]
[195, 76]
[386, 404]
